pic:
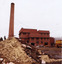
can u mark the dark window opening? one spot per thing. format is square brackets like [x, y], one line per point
[28, 38]
[47, 33]
[44, 33]
[41, 42]
[47, 38]
[46, 43]
[33, 44]
[41, 33]
[27, 41]
[41, 38]
[44, 38]
[32, 38]
[24, 33]
[37, 38]
[52, 44]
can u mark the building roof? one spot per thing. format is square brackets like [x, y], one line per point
[33, 30]
[27, 30]
[33, 33]
[43, 31]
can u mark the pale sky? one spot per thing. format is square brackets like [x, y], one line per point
[36, 14]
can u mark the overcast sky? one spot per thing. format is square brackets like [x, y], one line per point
[36, 14]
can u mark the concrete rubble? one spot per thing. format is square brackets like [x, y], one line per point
[12, 51]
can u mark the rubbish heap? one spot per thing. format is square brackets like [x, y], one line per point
[11, 50]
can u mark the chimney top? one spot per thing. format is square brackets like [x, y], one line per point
[12, 3]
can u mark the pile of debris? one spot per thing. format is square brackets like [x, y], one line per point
[47, 60]
[13, 51]
[52, 52]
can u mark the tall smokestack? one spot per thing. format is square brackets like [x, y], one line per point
[11, 25]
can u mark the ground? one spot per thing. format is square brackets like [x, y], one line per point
[53, 52]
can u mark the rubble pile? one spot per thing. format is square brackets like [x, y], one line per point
[47, 59]
[53, 52]
[13, 51]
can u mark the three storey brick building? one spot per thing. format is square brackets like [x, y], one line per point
[34, 37]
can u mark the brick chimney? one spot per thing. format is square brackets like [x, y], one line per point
[11, 25]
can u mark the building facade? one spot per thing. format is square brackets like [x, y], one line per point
[52, 41]
[34, 37]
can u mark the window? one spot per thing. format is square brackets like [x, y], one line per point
[27, 41]
[47, 38]
[32, 38]
[46, 43]
[41, 38]
[41, 42]
[47, 33]
[41, 33]
[52, 44]
[33, 44]
[44, 33]
[37, 38]
[24, 33]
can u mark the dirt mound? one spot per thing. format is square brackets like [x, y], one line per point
[13, 51]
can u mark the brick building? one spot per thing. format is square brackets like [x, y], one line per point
[34, 37]
[52, 41]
